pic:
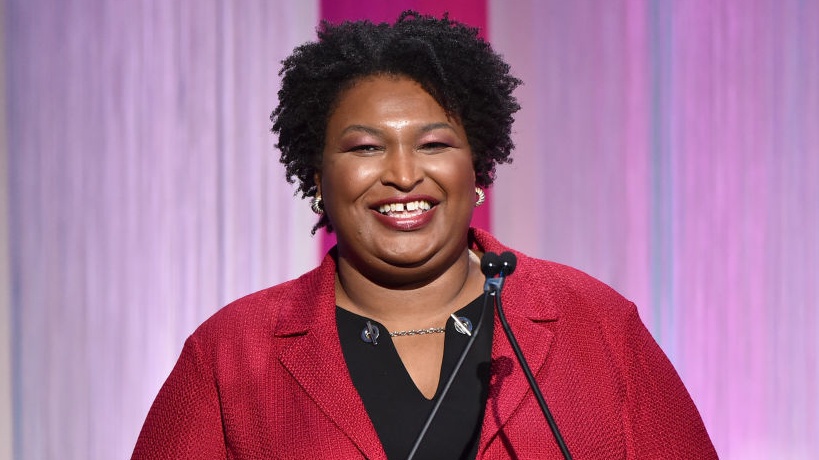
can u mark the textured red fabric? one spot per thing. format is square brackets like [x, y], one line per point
[265, 378]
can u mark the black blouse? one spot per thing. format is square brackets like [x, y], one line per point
[397, 408]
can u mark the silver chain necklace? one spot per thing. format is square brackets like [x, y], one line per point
[462, 324]
[430, 330]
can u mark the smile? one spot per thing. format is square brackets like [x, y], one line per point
[408, 209]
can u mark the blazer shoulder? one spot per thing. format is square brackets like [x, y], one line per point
[573, 291]
[554, 290]
[263, 312]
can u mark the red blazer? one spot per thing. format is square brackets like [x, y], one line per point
[265, 378]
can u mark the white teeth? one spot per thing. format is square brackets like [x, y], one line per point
[421, 205]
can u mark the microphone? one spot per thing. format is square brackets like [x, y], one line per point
[490, 264]
[508, 263]
[505, 264]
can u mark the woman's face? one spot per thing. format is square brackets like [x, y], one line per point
[396, 178]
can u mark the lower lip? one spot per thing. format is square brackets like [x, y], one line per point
[406, 224]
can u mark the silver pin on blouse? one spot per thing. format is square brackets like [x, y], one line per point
[462, 324]
[370, 333]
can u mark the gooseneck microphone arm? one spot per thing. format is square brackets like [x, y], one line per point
[508, 261]
[490, 267]
[451, 378]
[496, 268]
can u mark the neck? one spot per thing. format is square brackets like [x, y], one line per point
[420, 303]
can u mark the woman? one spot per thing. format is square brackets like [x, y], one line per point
[393, 130]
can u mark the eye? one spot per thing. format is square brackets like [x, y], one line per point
[434, 146]
[365, 149]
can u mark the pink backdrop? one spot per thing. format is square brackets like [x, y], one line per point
[672, 149]
[471, 12]
[668, 148]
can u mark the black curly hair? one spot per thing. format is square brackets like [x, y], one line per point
[447, 58]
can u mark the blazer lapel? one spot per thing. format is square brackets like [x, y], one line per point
[529, 309]
[508, 385]
[315, 360]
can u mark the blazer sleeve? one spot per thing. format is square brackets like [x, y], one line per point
[185, 418]
[663, 421]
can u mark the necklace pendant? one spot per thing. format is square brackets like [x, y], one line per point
[370, 333]
[462, 324]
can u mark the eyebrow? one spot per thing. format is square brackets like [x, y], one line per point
[376, 132]
[434, 126]
[363, 128]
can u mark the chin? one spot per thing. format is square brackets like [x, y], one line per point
[409, 260]
[421, 255]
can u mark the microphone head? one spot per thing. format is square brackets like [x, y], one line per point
[490, 264]
[508, 262]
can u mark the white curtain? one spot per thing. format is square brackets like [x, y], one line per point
[671, 148]
[145, 193]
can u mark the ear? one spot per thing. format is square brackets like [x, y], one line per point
[317, 182]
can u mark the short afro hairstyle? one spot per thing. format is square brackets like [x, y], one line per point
[447, 58]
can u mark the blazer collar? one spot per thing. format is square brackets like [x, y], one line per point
[315, 360]
[526, 294]
[314, 292]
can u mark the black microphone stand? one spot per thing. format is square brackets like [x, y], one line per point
[492, 265]
[524, 365]
[451, 379]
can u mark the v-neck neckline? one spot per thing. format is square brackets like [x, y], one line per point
[396, 405]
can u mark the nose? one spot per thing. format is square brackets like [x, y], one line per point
[402, 169]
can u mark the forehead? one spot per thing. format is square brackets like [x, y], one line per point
[383, 97]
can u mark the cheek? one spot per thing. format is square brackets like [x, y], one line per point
[458, 172]
[347, 179]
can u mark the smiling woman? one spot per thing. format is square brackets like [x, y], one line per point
[392, 130]
[388, 143]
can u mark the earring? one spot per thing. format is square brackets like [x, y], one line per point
[316, 205]
[481, 196]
